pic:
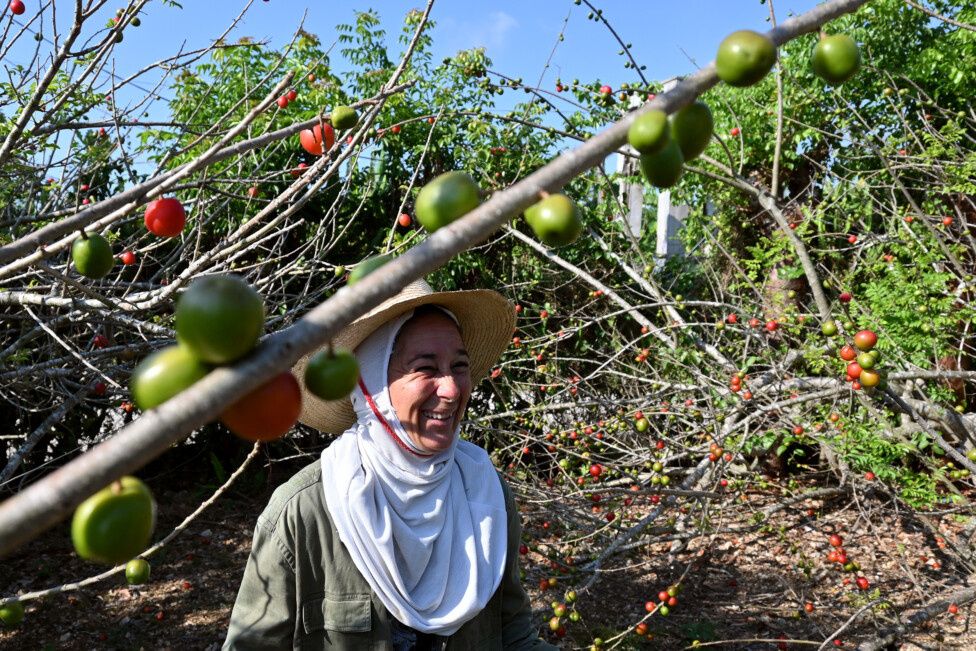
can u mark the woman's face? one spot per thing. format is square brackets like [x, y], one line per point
[430, 380]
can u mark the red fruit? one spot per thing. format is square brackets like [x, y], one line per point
[753, 323]
[291, 95]
[856, 386]
[736, 380]
[611, 517]
[283, 102]
[99, 387]
[404, 220]
[663, 595]
[606, 90]
[770, 325]
[313, 142]
[252, 192]
[852, 239]
[854, 370]
[808, 608]
[797, 430]
[848, 354]
[947, 221]
[430, 120]
[100, 341]
[836, 541]
[732, 318]
[734, 131]
[596, 469]
[84, 188]
[298, 171]
[832, 557]
[165, 217]
[953, 609]
[747, 395]
[395, 128]
[869, 476]
[186, 585]
[865, 340]
[17, 7]
[128, 257]
[862, 583]
[523, 549]
[845, 298]
[268, 412]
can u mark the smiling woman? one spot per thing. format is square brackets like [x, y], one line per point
[403, 537]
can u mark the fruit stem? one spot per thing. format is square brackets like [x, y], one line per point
[117, 486]
[823, 34]
[331, 351]
[543, 195]
[84, 235]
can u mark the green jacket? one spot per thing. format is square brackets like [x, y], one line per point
[301, 589]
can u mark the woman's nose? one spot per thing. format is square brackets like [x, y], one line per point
[447, 388]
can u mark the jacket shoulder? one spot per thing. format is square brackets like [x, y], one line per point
[304, 488]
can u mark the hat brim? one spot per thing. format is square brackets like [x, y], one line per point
[486, 319]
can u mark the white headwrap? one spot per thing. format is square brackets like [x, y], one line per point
[428, 532]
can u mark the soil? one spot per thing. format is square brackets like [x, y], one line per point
[742, 590]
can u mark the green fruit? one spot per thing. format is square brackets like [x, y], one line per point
[650, 132]
[114, 524]
[338, 271]
[344, 117]
[643, 424]
[12, 613]
[135, 22]
[93, 256]
[164, 374]
[836, 59]
[971, 455]
[219, 318]
[691, 128]
[446, 198]
[829, 328]
[663, 169]
[556, 220]
[366, 267]
[137, 571]
[332, 374]
[865, 360]
[744, 58]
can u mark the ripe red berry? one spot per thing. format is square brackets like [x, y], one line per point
[99, 387]
[606, 90]
[845, 298]
[128, 258]
[17, 7]
[734, 131]
[770, 325]
[862, 583]
[836, 541]
[395, 128]
[283, 101]
[404, 220]
[808, 608]
[953, 609]
[947, 221]
[852, 239]
[291, 95]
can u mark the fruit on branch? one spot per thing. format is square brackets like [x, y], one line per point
[252, 191]
[663, 169]
[332, 374]
[869, 377]
[829, 328]
[164, 374]
[556, 220]
[445, 199]
[17, 7]
[744, 58]
[128, 258]
[268, 412]
[344, 117]
[865, 340]
[283, 101]
[12, 613]
[219, 318]
[650, 132]
[404, 220]
[92, 255]
[836, 58]
[298, 171]
[137, 571]
[366, 267]
[114, 524]
[165, 217]
[691, 128]
[313, 140]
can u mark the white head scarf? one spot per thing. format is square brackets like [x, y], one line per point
[428, 532]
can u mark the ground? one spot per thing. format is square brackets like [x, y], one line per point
[741, 590]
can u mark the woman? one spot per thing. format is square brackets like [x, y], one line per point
[402, 537]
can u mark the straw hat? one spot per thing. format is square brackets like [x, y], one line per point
[487, 322]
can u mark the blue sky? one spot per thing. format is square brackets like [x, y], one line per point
[520, 35]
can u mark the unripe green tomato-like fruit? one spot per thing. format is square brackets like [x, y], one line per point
[869, 378]
[691, 128]
[865, 360]
[93, 256]
[344, 117]
[137, 571]
[829, 328]
[663, 169]
[164, 374]
[971, 455]
[744, 58]
[114, 524]
[366, 267]
[332, 374]
[836, 59]
[445, 199]
[556, 220]
[12, 614]
[219, 318]
[650, 132]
